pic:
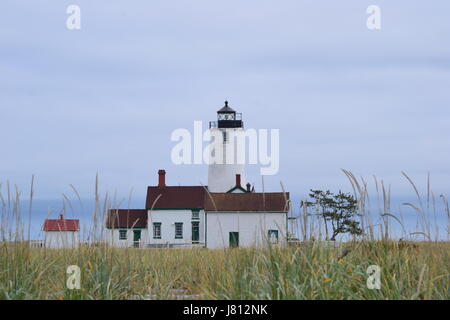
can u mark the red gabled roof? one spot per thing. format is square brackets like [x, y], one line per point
[248, 201]
[126, 218]
[61, 225]
[176, 197]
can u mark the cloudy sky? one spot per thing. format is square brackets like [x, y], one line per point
[106, 98]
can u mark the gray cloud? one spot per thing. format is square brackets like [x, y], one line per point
[106, 98]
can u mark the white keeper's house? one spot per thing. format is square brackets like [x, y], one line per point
[226, 213]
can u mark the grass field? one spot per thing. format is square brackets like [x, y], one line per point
[311, 270]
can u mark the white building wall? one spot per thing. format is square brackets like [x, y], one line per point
[222, 176]
[168, 218]
[253, 228]
[61, 239]
[113, 238]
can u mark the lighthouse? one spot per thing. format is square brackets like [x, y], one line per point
[228, 213]
[224, 175]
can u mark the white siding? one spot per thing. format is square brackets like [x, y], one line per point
[253, 228]
[168, 218]
[61, 239]
[113, 236]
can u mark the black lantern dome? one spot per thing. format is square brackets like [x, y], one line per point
[227, 118]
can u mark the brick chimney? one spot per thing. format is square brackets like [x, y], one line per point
[61, 216]
[162, 178]
[238, 180]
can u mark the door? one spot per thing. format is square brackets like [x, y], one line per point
[195, 232]
[136, 238]
[234, 239]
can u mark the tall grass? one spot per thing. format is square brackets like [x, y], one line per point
[379, 220]
[306, 269]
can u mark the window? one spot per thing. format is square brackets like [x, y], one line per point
[195, 214]
[122, 234]
[224, 136]
[178, 230]
[156, 230]
[273, 236]
[195, 231]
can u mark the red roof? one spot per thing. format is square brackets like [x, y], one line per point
[248, 201]
[177, 197]
[126, 218]
[61, 225]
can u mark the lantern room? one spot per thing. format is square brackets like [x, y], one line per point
[227, 118]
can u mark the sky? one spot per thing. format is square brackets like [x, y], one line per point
[105, 99]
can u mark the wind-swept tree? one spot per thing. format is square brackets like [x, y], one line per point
[338, 210]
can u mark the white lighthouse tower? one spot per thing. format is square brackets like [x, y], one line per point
[222, 176]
